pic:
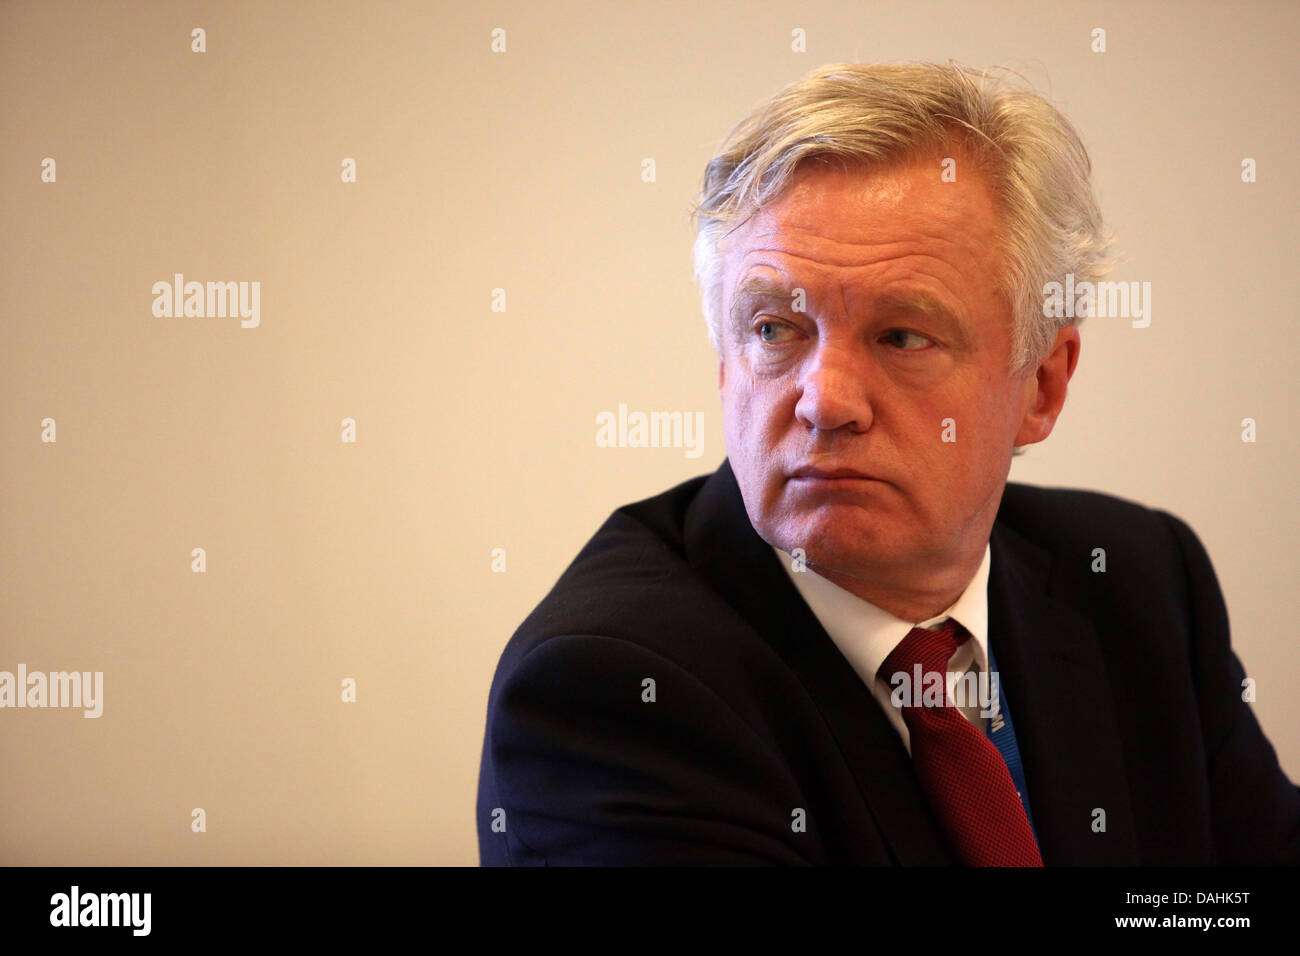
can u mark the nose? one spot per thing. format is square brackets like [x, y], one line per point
[833, 391]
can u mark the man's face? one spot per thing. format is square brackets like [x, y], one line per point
[835, 416]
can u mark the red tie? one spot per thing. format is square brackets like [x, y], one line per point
[961, 771]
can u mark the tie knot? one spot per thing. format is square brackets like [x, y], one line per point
[930, 649]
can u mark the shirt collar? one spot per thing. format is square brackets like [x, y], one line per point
[866, 634]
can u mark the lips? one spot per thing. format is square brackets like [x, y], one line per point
[832, 474]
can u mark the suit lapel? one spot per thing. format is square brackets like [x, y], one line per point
[1053, 678]
[1051, 671]
[725, 549]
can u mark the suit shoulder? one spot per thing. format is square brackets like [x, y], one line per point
[631, 578]
[1149, 550]
[1053, 516]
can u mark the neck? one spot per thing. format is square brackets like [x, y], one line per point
[912, 597]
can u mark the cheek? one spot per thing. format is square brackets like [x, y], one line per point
[948, 444]
[745, 408]
[973, 462]
[995, 420]
[738, 425]
[978, 406]
[753, 430]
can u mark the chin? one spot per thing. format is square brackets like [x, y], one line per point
[835, 541]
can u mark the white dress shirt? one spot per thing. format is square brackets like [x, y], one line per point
[866, 635]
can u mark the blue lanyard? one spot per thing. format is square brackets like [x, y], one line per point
[1003, 734]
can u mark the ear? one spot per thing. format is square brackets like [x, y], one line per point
[1044, 391]
[721, 368]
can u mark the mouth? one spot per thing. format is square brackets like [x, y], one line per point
[810, 475]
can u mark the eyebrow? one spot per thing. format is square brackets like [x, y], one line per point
[916, 302]
[757, 289]
[757, 285]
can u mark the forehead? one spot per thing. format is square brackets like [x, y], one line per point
[886, 220]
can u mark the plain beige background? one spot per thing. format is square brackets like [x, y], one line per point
[475, 428]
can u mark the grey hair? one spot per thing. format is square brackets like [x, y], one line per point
[875, 114]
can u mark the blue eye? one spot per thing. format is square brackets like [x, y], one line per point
[894, 335]
[769, 330]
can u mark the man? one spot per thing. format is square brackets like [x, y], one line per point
[734, 671]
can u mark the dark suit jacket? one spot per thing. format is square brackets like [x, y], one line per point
[1125, 693]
